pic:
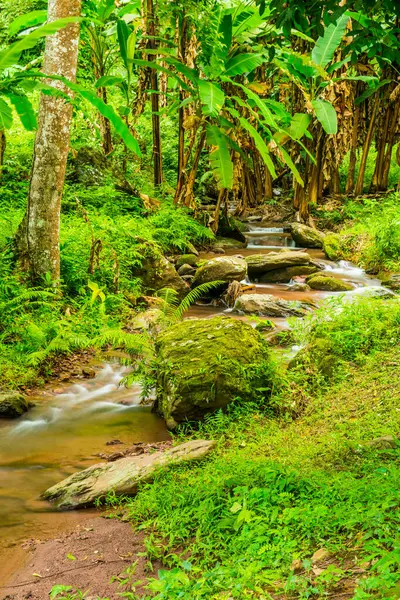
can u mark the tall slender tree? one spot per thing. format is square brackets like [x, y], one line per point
[39, 235]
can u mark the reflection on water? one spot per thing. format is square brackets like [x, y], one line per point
[58, 437]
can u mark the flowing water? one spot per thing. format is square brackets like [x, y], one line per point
[67, 428]
[60, 436]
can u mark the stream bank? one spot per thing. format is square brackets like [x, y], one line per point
[93, 413]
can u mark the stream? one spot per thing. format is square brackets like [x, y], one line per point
[69, 426]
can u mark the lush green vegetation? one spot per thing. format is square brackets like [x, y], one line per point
[278, 490]
[179, 113]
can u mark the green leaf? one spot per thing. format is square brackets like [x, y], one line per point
[243, 63]
[211, 96]
[130, 50]
[6, 117]
[326, 115]
[123, 33]
[258, 140]
[24, 110]
[326, 45]
[291, 165]
[30, 19]
[10, 55]
[153, 65]
[107, 111]
[266, 113]
[108, 80]
[371, 90]
[220, 157]
[299, 125]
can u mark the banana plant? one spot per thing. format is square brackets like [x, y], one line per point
[17, 82]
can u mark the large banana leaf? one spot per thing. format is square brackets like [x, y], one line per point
[326, 115]
[24, 110]
[211, 96]
[30, 19]
[220, 157]
[10, 55]
[258, 140]
[243, 63]
[326, 45]
[5, 115]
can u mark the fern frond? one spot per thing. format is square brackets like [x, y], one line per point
[133, 343]
[194, 295]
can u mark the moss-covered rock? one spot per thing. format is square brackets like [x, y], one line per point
[259, 264]
[306, 237]
[332, 246]
[203, 365]
[226, 243]
[285, 275]
[187, 259]
[158, 273]
[329, 284]
[13, 405]
[267, 305]
[223, 268]
[392, 282]
[316, 358]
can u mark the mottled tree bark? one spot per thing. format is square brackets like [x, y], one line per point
[39, 234]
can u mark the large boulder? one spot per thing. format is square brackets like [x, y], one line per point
[259, 264]
[329, 284]
[316, 358]
[187, 259]
[203, 365]
[392, 282]
[372, 291]
[121, 477]
[306, 237]
[269, 306]
[13, 405]
[88, 167]
[285, 275]
[158, 273]
[333, 246]
[223, 268]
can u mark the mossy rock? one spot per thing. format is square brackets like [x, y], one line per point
[203, 365]
[332, 246]
[285, 275]
[187, 259]
[157, 273]
[223, 268]
[306, 237]
[13, 405]
[317, 357]
[329, 284]
[227, 243]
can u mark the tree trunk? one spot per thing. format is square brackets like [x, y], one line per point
[39, 234]
[353, 153]
[182, 29]
[268, 192]
[105, 125]
[384, 182]
[155, 100]
[3, 144]
[367, 145]
[186, 196]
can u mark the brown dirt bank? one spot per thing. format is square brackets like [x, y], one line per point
[86, 558]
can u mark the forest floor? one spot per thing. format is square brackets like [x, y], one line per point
[331, 478]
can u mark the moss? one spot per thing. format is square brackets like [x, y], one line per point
[205, 364]
[286, 274]
[317, 357]
[329, 284]
[13, 405]
[332, 246]
[187, 259]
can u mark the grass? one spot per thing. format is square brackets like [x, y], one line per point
[277, 490]
[370, 235]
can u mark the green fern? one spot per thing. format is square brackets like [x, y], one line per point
[133, 343]
[174, 310]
